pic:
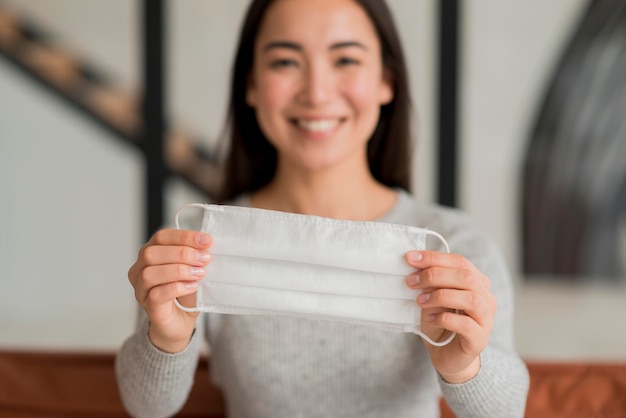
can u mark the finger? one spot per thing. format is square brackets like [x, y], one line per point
[479, 307]
[155, 255]
[425, 259]
[153, 276]
[164, 293]
[463, 325]
[195, 239]
[447, 277]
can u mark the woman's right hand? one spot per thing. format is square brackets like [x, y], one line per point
[169, 266]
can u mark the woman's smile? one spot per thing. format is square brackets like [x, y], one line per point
[315, 128]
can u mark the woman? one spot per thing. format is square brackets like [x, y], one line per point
[319, 118]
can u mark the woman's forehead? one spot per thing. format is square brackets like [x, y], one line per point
[316, 22]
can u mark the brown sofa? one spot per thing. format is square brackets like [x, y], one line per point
[37, 384]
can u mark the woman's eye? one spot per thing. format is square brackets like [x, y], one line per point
[345, 61]
[283, 63]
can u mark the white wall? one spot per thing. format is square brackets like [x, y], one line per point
[509, 50]
[71, 198]
[69, 224]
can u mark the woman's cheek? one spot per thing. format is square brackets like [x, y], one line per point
[271, 100]
[362, 90]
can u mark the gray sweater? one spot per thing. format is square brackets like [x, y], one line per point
[274, 366]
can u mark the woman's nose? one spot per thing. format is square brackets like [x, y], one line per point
[317, 85]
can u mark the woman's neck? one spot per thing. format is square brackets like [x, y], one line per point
[334, 193]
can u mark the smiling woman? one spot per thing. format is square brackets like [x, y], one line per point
[296, 58]
[317, 91]
[319, 126]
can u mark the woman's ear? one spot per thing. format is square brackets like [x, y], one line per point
[386, 88]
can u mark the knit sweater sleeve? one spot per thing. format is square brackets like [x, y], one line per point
[153, 383]
[500, 388]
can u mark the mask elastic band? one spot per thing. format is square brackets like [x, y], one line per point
[452, 335]
[436, 343]
[184, 308]
[190, 205]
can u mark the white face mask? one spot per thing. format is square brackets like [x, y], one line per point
[270, 262]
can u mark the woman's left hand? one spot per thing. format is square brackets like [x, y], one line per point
[450, 282]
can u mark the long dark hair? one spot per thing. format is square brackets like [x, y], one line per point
[251, 160]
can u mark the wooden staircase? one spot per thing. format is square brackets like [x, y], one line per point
[89, 91]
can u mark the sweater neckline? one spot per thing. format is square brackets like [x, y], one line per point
[401, 196]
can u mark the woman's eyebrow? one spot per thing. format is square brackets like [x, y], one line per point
[297, 47]
[282, 44]
[347, 44]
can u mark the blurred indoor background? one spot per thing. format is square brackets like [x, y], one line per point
[541, 157]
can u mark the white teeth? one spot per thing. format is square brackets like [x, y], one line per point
[319, 125]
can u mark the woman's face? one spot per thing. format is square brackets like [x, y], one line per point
[317, 82]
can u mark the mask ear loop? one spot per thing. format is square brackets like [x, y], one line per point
[197, 205]
[453, 334]
[189, 205]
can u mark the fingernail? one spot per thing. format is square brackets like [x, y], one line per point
[413, 280]
[423, 298]
[198, 271]
[191, 285]
[203, 256]
[431, 317]
[203, 239]
[415, 256]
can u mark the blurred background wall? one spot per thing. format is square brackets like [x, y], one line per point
[71, 197]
